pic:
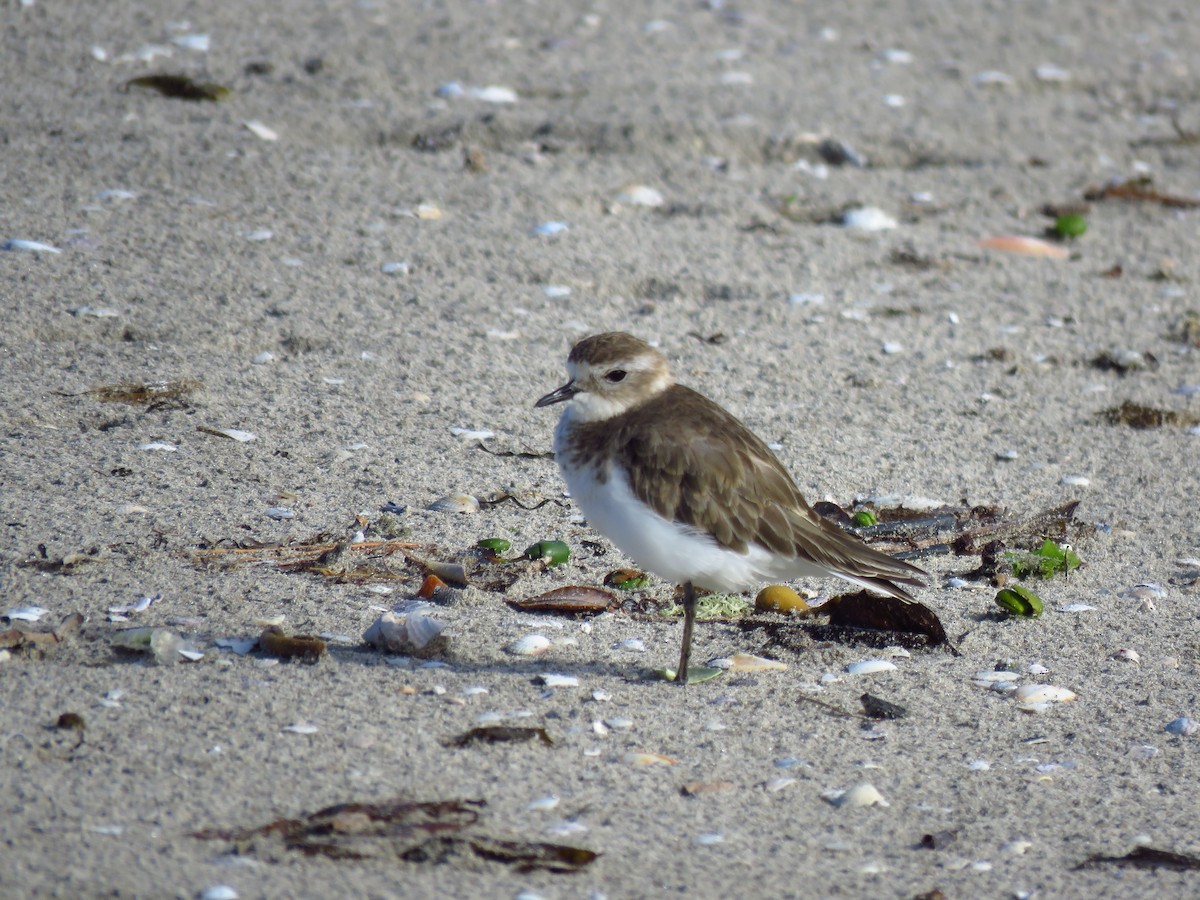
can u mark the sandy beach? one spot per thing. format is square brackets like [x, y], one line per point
[371, 253]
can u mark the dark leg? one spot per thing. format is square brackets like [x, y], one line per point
[689, 618]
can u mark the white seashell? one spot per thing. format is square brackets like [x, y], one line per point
[710, 838]
[778, 784]
[1146, 590]
[458, 503]
[868, 218]
[805, 298]
[556, 291]
[551, 680]
[449, 90]
[870, 667]
[1037, 669]
[979, 765]
[261, 359]
[219, 892]
[1034, 707]
[1182, 726]
[541, 804]
[191, 655]
[404, 632]
[99, 54]
[1050, 72]
[992, 78]
[422, 629]
[891, 348]
[1128, 654]
[159, 445]
[898, 57]
[280, 512]
[26, 613]
[601, 696]
[895, 101]
[234, 434]
[530, 645]
[861, 795]
[17, 244]
[467, 434]
[399, 267]
[301, 728]
[198, 42]
[494, 93]
[1016, 848]
[1076, 480]
[990, 677]
[1076, 608]
[549, 229]
[619, 723]
[599, 728]
[258, 235]
[261, 131]
[1043, 693]
[566, 829]
[631, 645]
[640, 195]
[115, 194]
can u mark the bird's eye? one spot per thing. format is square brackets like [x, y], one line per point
[615, 376]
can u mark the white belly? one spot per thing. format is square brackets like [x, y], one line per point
[673, 551]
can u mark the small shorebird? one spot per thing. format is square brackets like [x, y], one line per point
[686, 490]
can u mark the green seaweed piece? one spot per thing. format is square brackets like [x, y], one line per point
[1048, 560]
[552, 553]
[1019, 601]
[180, 87]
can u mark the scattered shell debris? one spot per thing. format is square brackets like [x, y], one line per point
[636, 758]
[300, 728]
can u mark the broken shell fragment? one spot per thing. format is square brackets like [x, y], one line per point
[456, 503]
[530, 645]
[410, 633]
[551, 680]
[870, 667]
[746, 662]
[861, 795]
[1026, 246]
[1183, 726]
[1030, 696]
[781, 598]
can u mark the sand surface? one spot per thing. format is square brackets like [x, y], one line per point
[897, 362]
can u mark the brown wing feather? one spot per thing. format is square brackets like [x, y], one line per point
[744, 494]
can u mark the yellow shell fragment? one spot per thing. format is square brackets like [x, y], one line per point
[746, 662]
[650, 759]
[781, 598]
